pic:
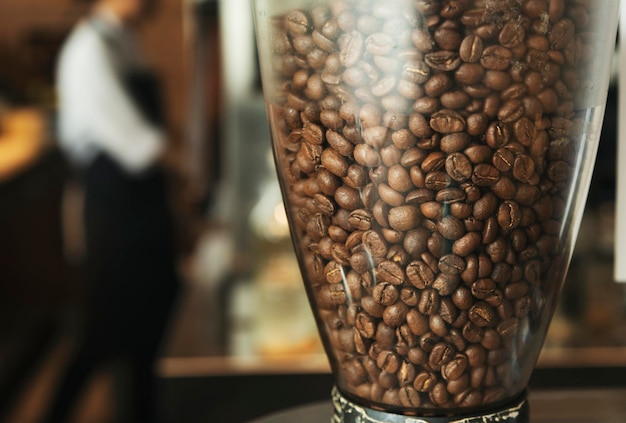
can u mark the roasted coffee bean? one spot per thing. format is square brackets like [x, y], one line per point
[437, 325]
[476, 123]
[491, 105]
[450, 227]
[478, 376]
[422, 40]
[436, 244]
[499, 81]
[437, 180]
[490, 230]
[447, 309]
[479, 92]
[428, 341]
[470, 273]
[451, 264]
[455, 99]
[455, 368]
[375, 136]
[493, 394]
[443, 60]
[347, 198]
[426, 105]
[425, 381]
[447, 122]
[388, 381]
[390, 271]
[496, 357]
[472, 192]
[396, 253]
[296, 22]
[390, 196]
[416, 71]
[378, 175]
[483, 288]
[372, 307]
[399, 178]
[454, 142]
[409, 397]
[385, 293]
[439, 394]
[366, 325]
[441, 354]
[420, 274]
[417, 322]
[496, 57]
[512, 34]
[462, 298]
[374, 244]
[415, 242]
[482, 315]
[562, 32]
[516, 290]
[365, 155]
[419, 196]
[413, 157]
[485, 174]
[354, 240]
[497, 251]
[409, 296]
[450, 195]
[340, 254]
[505, 188]
[360, 219]
[388, 361]
[485, 206]
[447, 37]
[469, 398]
[406, 340]
[459, 385]
[355, 177]
[503, 159]
[476, 355]
[511, 111]
[491, 339]
[354, 372]
[429, 302]
[471, 48]
[509, 215]
[466, 244]
[385, 337]
[508, 328]
[497, 135]
[404, 218]
[473, 333]
[458, 167]
[523, 168]
[478, 153]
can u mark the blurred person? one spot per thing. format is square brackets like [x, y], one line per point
[111, 125]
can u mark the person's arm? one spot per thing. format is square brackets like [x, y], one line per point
[103, 113]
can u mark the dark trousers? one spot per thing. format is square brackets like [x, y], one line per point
[131, 283]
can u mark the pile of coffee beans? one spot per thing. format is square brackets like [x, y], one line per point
[427, 150]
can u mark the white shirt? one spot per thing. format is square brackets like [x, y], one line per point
[95, 113]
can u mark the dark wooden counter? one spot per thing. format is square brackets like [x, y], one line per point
[546, 406]
[557, 395]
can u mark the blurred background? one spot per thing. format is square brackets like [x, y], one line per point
[242, 322]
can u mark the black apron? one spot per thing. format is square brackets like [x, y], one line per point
[130, 262]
